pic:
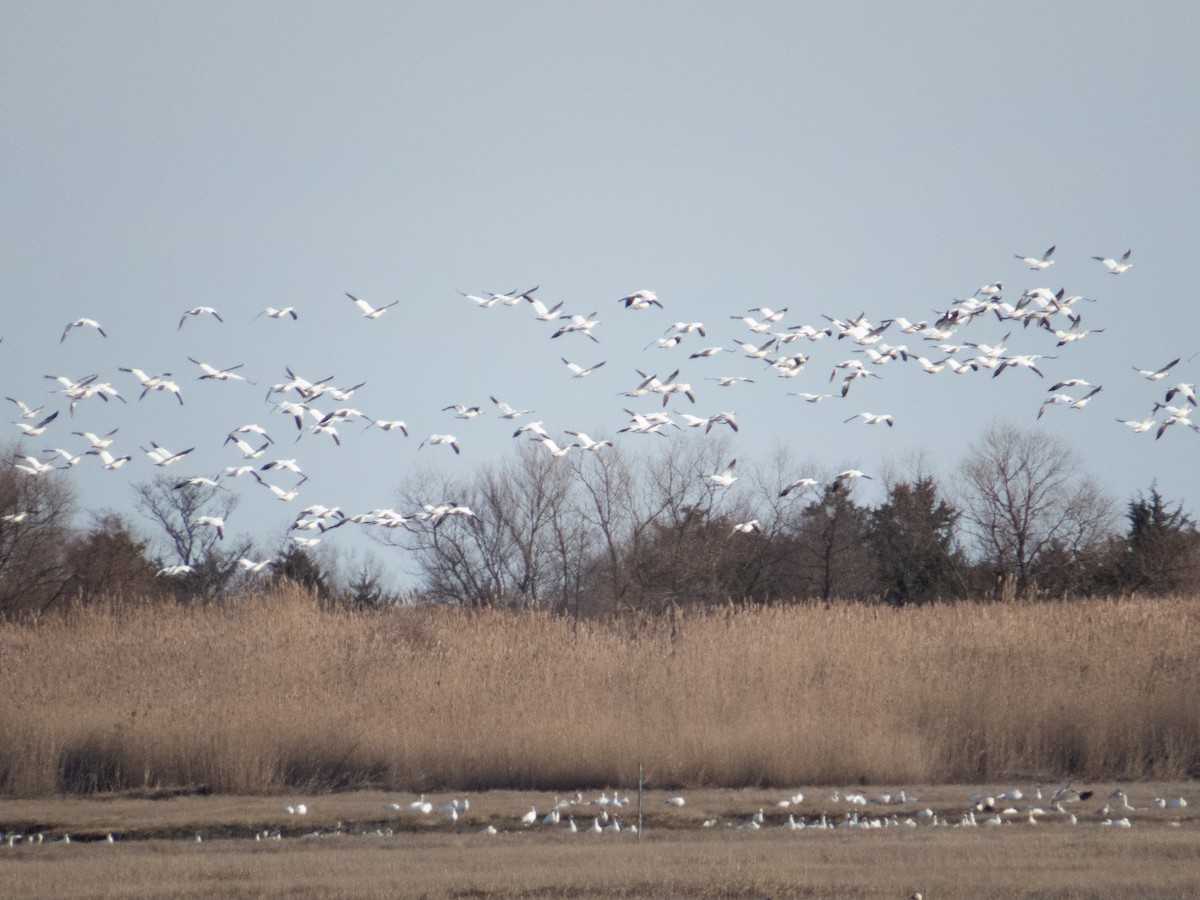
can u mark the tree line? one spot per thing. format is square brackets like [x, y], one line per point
[620, 531]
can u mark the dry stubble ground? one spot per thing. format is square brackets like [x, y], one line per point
[156, 855]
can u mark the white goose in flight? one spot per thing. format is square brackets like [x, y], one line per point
[583, 442]
[1139, 427]
[26, 412]
[81, 323]
[40, 428]
[578, 324]
[533, 428]
[162, 457]
[389, 425]
[199, 311]
[97, 442]
[578, 371]
[1187, 391]
[34, 467]
[1037, 264]
[842, 479]
[110, 462]
[462, 411]
[1157, 374]
[731, 380]
[797, 484]
[1116, 266]
[544, 313]
[449, 439]
[369, 311]
[725, 478]
[641, 300]
[215, 522]
[556, 451]
[507, 412]
[210, 372]
[873, 418]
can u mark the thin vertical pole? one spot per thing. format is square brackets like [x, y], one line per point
[641, 782]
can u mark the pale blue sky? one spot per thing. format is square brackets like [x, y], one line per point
[829, 158]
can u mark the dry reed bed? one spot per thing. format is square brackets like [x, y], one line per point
[275, 695]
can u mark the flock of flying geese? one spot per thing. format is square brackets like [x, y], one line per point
[849, 810]
[772, 348]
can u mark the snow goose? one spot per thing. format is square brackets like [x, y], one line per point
[40, 428]
[583, 442]
[507, 412]
[26, 412]
[725, 478]
[873, 418]
[1038, 264]
[215, 522]
[1116, 266]
[1157, 374]
[641, 300]
[449, 439]
[199, 311]
[81, 323]
[579, 371]
[369, 311]
[162, 457]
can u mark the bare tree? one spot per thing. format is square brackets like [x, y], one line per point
[611, 506]
[677, 555]
[176, 508]
[35, 513]
[1024, 493]
[510, 550]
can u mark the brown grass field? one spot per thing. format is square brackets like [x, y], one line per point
[274, 695]
[155, 854]
[158, 723]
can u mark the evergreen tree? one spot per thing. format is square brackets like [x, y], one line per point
[1163, 546]
[911, 537]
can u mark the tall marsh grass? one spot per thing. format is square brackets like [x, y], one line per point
[275, 694]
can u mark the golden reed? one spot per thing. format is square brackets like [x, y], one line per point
[274, 694]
